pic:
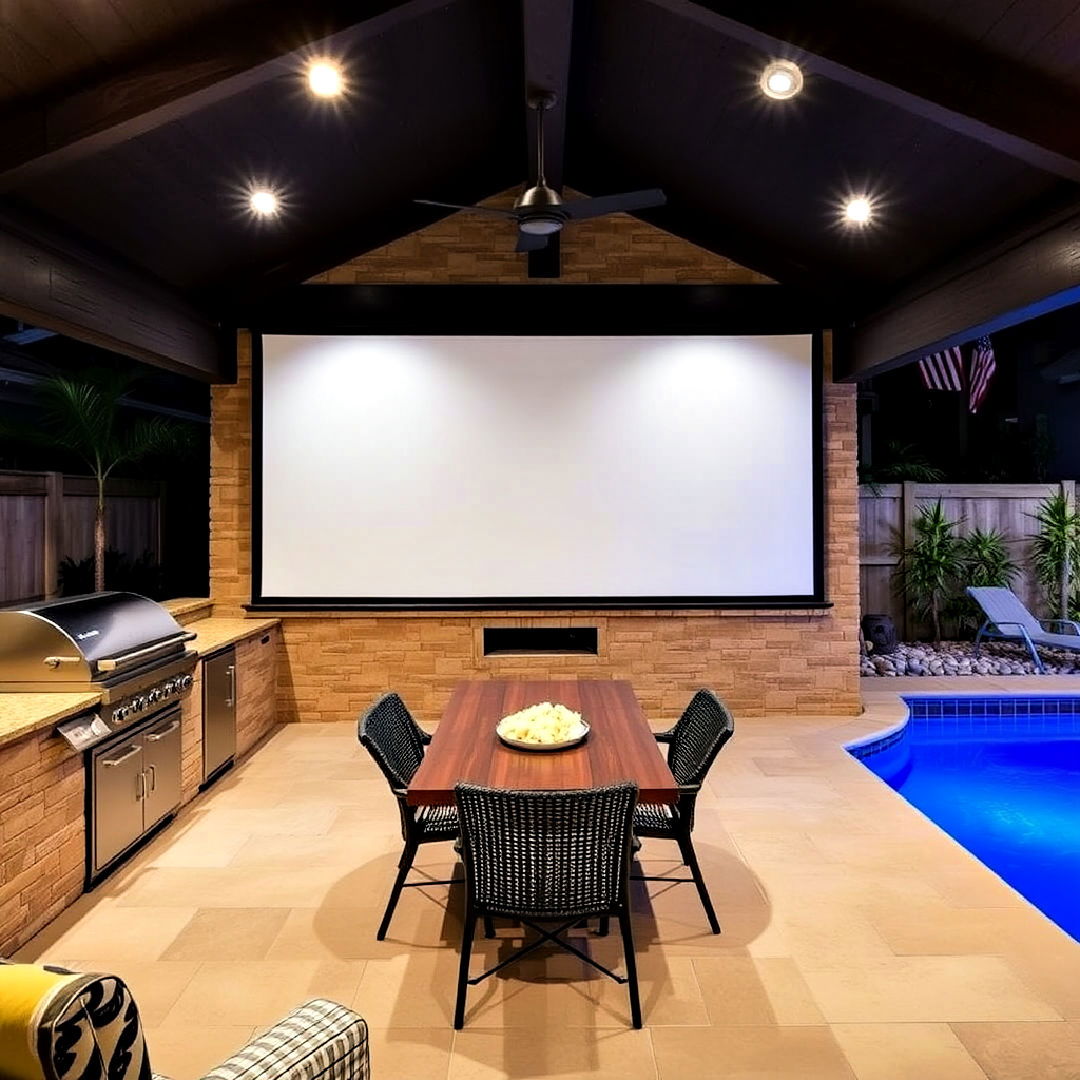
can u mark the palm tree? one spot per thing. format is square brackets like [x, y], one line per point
[83, 415]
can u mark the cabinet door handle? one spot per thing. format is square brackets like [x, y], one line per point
[161, 734]
[231, 699]
[153, 778]
[140, 786]
[109, 763]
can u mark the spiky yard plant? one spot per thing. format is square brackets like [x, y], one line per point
[1055, 551]
[929, 569]
[984, 560]
[84, 416]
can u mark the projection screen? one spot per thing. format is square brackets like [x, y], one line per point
[483, 469]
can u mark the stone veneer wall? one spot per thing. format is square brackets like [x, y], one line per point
[331, 666]
[42, 835]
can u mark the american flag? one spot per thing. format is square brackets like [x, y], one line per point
[943, 370]
[983, 366]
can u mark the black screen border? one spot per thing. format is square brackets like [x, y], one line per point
[554, 310]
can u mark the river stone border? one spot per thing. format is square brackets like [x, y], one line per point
[958, 658]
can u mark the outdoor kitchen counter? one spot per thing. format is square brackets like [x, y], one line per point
[23, 714]
[214, 633]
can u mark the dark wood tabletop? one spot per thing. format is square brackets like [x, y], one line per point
[619, 746]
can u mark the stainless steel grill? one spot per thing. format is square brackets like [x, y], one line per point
[103, 642]
[133, 653]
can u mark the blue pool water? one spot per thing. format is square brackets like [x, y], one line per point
[1005, 784]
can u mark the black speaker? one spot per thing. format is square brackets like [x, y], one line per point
[880, 630]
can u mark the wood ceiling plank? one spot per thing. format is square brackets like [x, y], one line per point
[930, 72]
[1021, 277]
[183, 77]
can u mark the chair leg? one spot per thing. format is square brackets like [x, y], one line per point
[602, 929]
[631, 967]
[686, 846]
[489, 926]
[408, 853]
[467, 932]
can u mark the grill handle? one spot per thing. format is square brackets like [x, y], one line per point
[114, 662]
[56, 661]
[159, 735]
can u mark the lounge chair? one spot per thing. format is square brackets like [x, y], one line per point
[1008, 619]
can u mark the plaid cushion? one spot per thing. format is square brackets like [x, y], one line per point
[318, 1041]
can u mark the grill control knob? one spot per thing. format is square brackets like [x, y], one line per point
[168, 688]
[138, 704]
[186, 681]
[155, 695]
[117, 715]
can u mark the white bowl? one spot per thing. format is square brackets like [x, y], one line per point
[519, 744]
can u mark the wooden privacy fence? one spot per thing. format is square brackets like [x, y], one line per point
[46, 517]
[887, 512]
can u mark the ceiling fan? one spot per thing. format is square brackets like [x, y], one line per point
[540, 212]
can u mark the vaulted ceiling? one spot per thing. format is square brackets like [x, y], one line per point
[133, 130]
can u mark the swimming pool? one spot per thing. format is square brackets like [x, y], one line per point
[1002, 777]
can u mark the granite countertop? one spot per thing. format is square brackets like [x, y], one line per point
[214, 633]
[24, 714]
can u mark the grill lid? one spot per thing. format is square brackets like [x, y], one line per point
[107, 624]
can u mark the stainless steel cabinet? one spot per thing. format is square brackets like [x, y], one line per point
[161, 766]
[118, 787]
[219, 712]
[135, 783]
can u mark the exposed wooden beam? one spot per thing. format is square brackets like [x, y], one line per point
[220, 57]
[917, 66]
[1023, 277]
[548, 27]
[53, 281]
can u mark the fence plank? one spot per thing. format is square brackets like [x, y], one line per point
[45, 517]
[889, 511]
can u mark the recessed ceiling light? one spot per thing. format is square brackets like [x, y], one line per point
[325, 79]
[858, 211]
[264, 203]
[781, 80]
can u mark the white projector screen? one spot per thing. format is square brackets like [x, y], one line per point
[449, 468]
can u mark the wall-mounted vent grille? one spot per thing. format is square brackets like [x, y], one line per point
[542, 640]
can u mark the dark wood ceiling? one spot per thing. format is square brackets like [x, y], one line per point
[134, 127]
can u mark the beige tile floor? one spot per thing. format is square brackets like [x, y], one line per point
[859, 940]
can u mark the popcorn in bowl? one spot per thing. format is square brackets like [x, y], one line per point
[542, 725]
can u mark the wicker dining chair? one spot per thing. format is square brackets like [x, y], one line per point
[547, 857]
[693, 743]
[394, 739]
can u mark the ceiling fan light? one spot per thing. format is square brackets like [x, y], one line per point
[540, 226]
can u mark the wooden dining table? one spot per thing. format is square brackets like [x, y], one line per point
[620, 746]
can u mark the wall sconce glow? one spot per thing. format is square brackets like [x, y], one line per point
[781, 80]
[264, 203]
[858, 211]
[325, 79]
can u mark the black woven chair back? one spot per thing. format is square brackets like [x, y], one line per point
[388, 732]
[547, 854]
[704, 727]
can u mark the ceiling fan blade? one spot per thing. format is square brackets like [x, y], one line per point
[613, 204]
[479, 209]
[532, 241]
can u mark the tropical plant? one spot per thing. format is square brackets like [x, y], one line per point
[1055, 551]
[929, 569]
[142, 575]
[984, 560]
[903, 461]
[84, 416]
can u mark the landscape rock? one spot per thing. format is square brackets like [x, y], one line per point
[958, 658]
